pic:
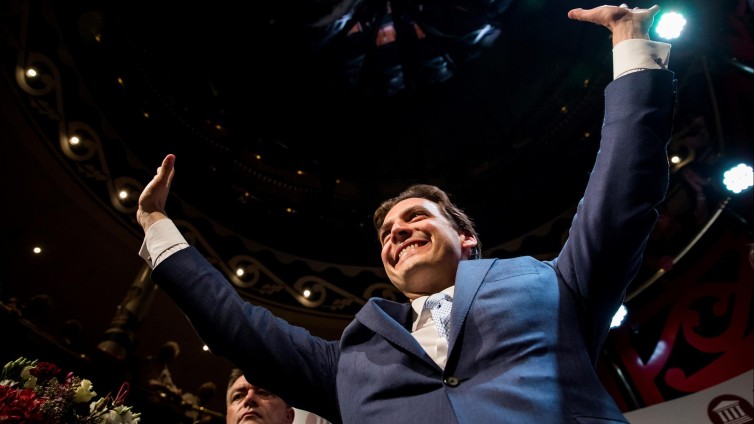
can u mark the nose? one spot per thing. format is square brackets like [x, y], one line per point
[400, 232]
[251, 398]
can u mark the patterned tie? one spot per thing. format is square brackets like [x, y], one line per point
[439, 305]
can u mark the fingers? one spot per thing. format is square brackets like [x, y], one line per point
[166, 171]
[613, 17]
[153, 197]
[594, 15]
[168, 167]
[579, 11]
[575, 13]
[169, 160]
[170, 176]
[625, 6]
[654, 9]
[167, 164]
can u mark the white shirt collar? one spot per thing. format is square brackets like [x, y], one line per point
[418, 305]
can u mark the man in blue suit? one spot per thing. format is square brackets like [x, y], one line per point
[523, 335]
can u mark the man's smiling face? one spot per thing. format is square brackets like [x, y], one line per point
[421, 248]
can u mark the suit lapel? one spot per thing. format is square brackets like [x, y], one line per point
[468, 281]
[392, 321]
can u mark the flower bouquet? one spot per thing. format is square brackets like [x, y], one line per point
[38, 392]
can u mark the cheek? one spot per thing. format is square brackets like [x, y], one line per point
[384, 253]
[272, 405]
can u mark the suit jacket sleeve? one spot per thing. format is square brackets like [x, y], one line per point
[273, 354]
[618, 211]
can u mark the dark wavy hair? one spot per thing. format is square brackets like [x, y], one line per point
[453, 213]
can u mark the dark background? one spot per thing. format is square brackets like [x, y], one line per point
[500, 103]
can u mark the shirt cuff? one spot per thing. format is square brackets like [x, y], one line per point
[636, 55]
[162, 240]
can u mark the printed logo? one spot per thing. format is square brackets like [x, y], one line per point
[730, 409]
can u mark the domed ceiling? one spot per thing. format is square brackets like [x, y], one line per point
[291, 123]
[290, 134]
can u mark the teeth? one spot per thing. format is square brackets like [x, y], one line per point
[406, 250]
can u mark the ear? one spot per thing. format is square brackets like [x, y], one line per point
[289, 414]
[468, 241]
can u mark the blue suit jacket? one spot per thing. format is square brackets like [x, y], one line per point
[525, 334]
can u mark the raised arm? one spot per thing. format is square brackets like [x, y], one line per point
[618, 211]
[272, 353]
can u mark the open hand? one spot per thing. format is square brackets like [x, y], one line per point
[152, 200]
[623, 22]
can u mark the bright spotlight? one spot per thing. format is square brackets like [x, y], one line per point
[670, 25]
[618, 317]
[738, 178]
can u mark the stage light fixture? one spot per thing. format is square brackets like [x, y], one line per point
[670, 25]
[738, 178]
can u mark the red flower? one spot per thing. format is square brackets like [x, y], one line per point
[20, 406]
[53, 401]
[44, 371]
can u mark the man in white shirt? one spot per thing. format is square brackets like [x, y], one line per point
[519, 338]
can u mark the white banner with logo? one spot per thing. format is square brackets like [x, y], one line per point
[727, 403]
